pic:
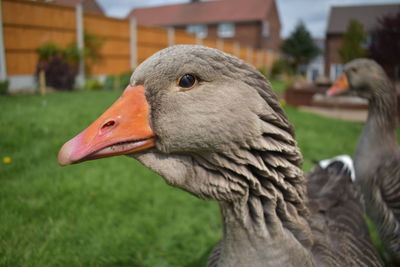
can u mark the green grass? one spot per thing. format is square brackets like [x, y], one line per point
[109, 212]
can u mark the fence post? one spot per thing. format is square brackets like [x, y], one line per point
[81, 44]
[258, 59]
[270, 59]
[265, 59]
[250, 55]
[133, 42]
[3, 66]
[199, 40]
[236, 49]
[220, 44]
[171, 36]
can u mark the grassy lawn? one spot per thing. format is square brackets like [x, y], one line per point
[110, 212]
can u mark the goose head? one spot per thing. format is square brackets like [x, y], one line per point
[362, 77]
[193, 115]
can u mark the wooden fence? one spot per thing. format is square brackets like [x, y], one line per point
[28, 25]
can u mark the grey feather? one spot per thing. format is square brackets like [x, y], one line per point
[228, 139]
[377, 159]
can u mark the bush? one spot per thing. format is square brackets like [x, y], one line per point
[48, 50]
[59, 74]
[72, 54]
[4, 87]
[93, 84]
[281, 66]
[60, 66]
[111, 82]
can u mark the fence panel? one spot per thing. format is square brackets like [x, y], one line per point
[36, 14]
[114, 55]
[181, 37]
[149, 41]
[28, 25]
[243, 53]
[229, 47]
[210, 42]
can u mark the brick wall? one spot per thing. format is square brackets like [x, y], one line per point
[333, 43]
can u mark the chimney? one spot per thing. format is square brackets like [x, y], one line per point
[194, 1]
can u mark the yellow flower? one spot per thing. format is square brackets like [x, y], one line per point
[6, 160]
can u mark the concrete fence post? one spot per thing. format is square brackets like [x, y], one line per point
[270, 58]
[258, 59]
[220, 44]
[3, 66]
[236, 49]
[171, 36]
[265, 59]
[250, 55]
[199, 40]
[80, 40]
[133, 42]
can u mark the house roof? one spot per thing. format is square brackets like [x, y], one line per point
[365, 14]
[203, 12]
[88, 5]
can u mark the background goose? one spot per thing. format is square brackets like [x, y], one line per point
[377, 158]
[210, 124]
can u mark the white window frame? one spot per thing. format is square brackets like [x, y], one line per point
[265, 29]
[335, 71]
[200, 30]
[226, 30]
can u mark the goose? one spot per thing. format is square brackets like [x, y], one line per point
[210, 124]
[377, 156]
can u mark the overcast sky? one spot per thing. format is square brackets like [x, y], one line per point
[313, 12]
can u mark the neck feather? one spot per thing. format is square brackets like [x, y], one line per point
[379, 133]
[383, 105]
[269, 208]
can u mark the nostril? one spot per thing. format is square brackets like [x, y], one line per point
[108, 124]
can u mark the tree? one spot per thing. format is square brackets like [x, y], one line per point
[385, 45]
[352, 42]
[300, 46]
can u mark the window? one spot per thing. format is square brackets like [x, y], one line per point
[265, 29]
[198, 29]
[336, 70]
[366, 43]
[226, 30]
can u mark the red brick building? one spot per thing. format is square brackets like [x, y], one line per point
[339, 18]
[251, 22]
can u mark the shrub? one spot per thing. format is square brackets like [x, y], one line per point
[48, 50]
[110, 82]
[59, 74]
[72, 54]
[93, 84]
[60, 66]
[4, 87]
[281, 66]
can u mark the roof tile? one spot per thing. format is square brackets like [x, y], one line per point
[203, 12]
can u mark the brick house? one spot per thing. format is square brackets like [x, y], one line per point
[88, 5]
[339, 19]
[254, 23]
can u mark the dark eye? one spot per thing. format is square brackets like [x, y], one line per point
[187, 81]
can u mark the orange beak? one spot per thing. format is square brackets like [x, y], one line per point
[340, 86]
[123, 129]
